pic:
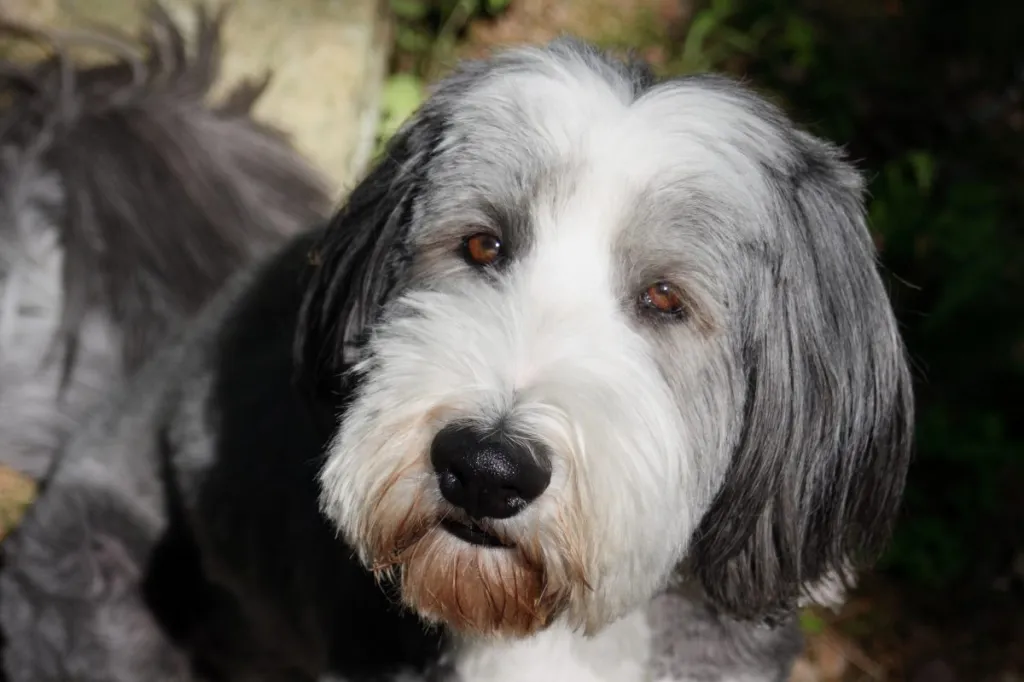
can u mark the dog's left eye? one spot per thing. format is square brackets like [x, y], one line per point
[482, 249]
[665, 299]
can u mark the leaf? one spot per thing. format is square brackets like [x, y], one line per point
[799, 35]
[496, 6]
[402, 95]
[16, 494]
[811, 623]
[694, 49]
[412, 40]
[739, 41]
[448, 7]
[721, 8]
[923, 165]
[409, 10]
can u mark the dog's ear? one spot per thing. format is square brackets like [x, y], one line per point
[815, 481]
[360, 257]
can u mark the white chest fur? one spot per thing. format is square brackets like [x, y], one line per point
[620, 653]
[673, 639]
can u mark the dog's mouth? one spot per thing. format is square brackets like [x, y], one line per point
[471, 532]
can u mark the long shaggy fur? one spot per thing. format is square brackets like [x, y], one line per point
[759, 445]
[261, 503]
[126, 199]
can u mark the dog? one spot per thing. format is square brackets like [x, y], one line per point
[592, 377]
[126, 201]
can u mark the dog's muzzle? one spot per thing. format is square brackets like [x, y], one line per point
[474, 559]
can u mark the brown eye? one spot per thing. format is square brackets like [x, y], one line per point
[664, 298]
[482, 249]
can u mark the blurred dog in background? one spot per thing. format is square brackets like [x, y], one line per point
[125, 201]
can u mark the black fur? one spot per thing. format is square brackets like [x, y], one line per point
[358, 263]
[278, 587]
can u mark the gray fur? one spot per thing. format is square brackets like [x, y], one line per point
[789, 370]
[783, 283]
[696, 643]
[125, 201]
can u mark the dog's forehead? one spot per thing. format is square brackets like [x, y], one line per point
[580, 144]
[558, 111]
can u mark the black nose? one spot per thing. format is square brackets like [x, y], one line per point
[488, 476]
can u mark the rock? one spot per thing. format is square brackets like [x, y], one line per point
[804, 671]
[30, 11]
[328, 59]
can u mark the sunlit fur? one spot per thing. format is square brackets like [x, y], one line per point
[126, 200]
[259, 502]
[758, 445]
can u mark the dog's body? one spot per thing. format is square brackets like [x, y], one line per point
[265, 591]
[648, 314]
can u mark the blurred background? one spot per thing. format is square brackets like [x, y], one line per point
[927, 97]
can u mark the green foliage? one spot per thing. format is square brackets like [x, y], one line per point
[427, 30]
[711, 39]
[426, 33]
[811, 623]
[402, 95]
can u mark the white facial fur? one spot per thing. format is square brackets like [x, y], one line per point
[599, 187]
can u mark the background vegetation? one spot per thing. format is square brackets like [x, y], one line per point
[928, 97]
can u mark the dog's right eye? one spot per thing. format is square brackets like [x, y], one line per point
[664, 299]
[481, 249]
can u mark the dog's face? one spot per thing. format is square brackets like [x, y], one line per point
[617, 330]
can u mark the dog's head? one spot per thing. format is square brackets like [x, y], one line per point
[602, 331]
